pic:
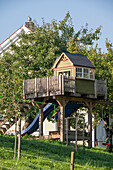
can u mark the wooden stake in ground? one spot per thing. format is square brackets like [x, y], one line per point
[72, 161]
[15, 110]
[15, 137]
[19, 138]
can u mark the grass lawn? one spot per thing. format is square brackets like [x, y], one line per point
[51, 154]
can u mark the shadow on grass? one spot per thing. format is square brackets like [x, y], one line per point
[56, 150]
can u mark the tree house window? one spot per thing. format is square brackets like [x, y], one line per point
[91, 74]
[86, 73]
[79, 72]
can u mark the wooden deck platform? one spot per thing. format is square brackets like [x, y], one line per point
[54, 86]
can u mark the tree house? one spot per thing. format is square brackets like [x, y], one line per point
[73, 81]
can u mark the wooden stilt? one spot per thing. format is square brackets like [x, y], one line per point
[62, 104]
[90, 124]
[40, 121]
[67, 131]
[62, 130]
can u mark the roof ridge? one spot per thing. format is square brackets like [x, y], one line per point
[76, 54]
[14, 33]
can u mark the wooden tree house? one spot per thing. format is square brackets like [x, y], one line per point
[73, 81]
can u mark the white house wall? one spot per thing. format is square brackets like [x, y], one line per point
[13, 39]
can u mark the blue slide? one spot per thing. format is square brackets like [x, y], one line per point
[35, 124]
[70, 108]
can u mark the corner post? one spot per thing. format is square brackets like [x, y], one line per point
[90, 124]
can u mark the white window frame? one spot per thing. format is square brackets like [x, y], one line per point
[79, 72]
[86, 73]
[90, 74]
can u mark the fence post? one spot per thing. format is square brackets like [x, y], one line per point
[72, 161]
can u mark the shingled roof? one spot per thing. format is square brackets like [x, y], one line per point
[79, 60]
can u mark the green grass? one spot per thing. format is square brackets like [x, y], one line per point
[51, 154]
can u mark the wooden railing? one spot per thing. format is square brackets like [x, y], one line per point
[101, 88]
[49, 86]
[69, 84]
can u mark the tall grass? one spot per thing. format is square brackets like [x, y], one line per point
[51, 154]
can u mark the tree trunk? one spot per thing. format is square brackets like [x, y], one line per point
[19, 138]
[15, 137]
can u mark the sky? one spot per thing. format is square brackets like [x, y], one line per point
[14, 13]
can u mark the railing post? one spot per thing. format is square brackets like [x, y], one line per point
[24, 89]
[106, 90]
[75, 86]
[63, 84]
[95, 88]
[47, 86]
[60, 83]
[35, 87]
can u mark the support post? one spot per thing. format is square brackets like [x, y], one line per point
[62, 130]
[76, 129]
[67, 131]
[40, 121]
[83, 135]
[62, 104]
[90, 124]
